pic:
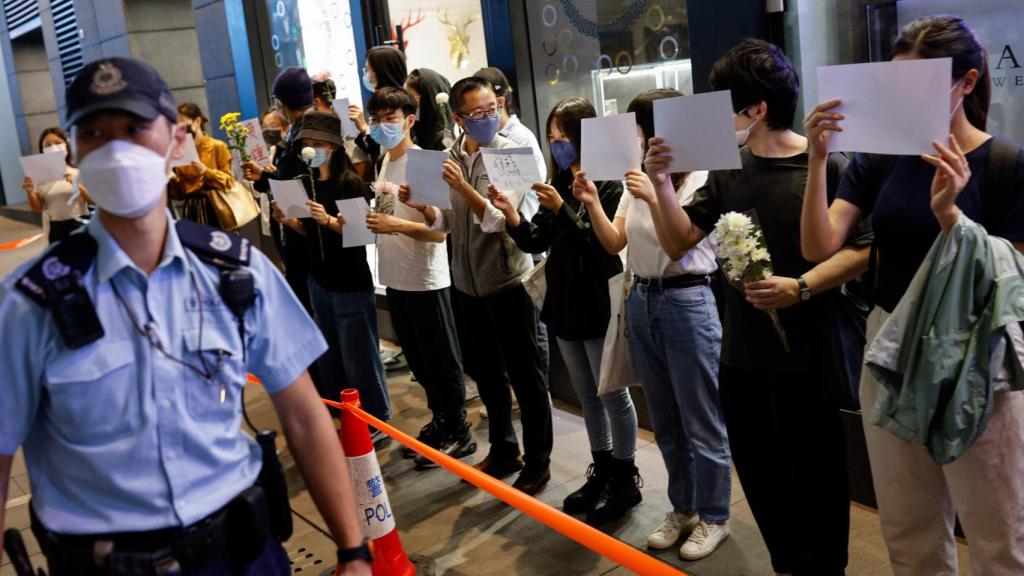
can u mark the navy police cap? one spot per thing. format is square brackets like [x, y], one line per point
[123, 84]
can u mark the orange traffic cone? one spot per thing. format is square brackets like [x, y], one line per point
[375, 515]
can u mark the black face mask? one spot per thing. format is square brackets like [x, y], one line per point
[272, 137]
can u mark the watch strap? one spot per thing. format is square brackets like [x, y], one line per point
[361, 552]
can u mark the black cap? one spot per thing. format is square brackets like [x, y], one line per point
[323, 126]
[120, 84]
[293, 87]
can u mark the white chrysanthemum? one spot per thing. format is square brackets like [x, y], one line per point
[441, 98]
[308, 153]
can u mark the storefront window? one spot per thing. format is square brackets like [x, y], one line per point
[317, 35]
[607, 50]
[446, 37]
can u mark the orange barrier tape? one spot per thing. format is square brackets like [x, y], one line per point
[20, 243]
[591, 538]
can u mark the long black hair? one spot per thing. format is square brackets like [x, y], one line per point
[570, 114]
[643, 107]
[431, 121]
[947, 36]
[388, 64]
[192, 111]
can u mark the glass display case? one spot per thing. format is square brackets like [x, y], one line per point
[612, 91]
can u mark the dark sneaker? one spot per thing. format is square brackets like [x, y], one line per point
[531, 481]
[454, 446]
[430, 435]
[380, 440]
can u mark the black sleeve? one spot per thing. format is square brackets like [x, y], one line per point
[1012, 226]
[838, 165]
[610, 193]
[706, 207]
[534, 236]
[368, 145]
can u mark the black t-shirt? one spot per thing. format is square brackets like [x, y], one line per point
[899, 202]
[773, 188]
[339, 269]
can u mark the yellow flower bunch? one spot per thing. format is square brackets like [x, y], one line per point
[238, 135]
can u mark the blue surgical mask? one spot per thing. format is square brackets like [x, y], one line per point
[388, 134]
[564, 153]
[482, 131]
[367, 83]
[320, 157]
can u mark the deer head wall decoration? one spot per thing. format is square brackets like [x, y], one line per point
[458, 40]
[406, 24]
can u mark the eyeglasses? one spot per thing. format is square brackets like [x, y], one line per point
[479, 114]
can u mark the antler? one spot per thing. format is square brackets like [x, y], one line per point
[466, 21]
[408, 19]
[442, 16]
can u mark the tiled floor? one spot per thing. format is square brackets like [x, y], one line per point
[466, 532]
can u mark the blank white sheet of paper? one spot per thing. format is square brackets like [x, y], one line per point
[511, 169]
[290, 197]
[890, 107]
[188, 155]
[610, 147]
[354, 231]
[700, 131]
[423, 176]
[46, 167]
[348, 127]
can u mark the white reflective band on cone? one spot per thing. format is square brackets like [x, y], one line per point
[371, 496]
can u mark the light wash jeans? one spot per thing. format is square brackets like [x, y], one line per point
[610, 419]
[348, 321]
[675, 337]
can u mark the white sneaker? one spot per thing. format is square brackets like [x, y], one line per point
[672, 529]
[703, 541]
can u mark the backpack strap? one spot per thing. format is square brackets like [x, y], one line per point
[997, 186]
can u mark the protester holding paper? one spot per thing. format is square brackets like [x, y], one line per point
[56, 200]
[413, 265]
[910, 201]
[200, 184]
[785, 431]
[674, 340]
[432, 130]
[340, 285]
[498, 323]
[384, 68]
[577, 309]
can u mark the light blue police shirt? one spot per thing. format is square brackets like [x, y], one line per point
[120, 438]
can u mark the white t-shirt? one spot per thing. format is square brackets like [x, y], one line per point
[55, 196]
[646, 256]
[404, 263]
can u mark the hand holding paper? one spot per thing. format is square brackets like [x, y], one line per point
[189, 154]
[699, 131]
[348, 127]
[354, 232]
[423, 174]
[898, 107]
[290, 197]
[610, 147]
[43, 168]
[511, 169]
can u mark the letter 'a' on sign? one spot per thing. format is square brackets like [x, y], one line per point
[1007, 59]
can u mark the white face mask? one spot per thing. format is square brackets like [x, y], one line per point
[62, 148]
[124, 178]
[743, 135]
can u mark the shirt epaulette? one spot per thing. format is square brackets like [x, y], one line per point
[214, 246]
[75, 255]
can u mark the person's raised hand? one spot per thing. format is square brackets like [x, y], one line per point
[952, 173]
[548, 197]
[639, 185]
[819, 124]
[584, 190]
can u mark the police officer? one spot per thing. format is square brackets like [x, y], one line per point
[125, 350]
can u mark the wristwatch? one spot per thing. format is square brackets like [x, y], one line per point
[805, 291]
[361, 552]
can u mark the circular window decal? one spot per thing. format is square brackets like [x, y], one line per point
[275, 42]
[334, 11]
[278, 59]
[566, 39]
[570, 64]
[549, 45]
[280, 9]
[604, 64]
[655, 17]
[669, 48]
[623, 60]
[552, 74]
[549, 15]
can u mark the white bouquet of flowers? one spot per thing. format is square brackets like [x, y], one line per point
[740, 245]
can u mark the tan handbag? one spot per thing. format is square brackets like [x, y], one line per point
[235, 207]
[617, 371]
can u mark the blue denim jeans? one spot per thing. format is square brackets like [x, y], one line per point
[348, 321]
[675, 337]
[610, 419]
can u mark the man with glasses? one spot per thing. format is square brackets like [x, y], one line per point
[498, 324]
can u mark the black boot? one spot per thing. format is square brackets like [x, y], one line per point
[431, 434]
[583, 500]
[623, 493]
